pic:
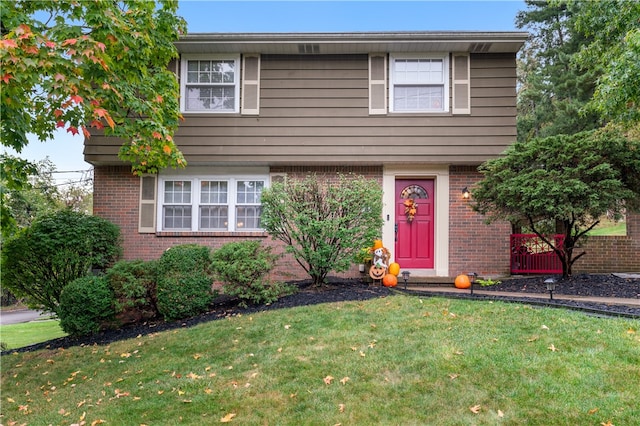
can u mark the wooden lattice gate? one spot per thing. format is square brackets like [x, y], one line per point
[531, 255]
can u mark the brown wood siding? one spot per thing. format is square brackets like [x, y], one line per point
[314, 109]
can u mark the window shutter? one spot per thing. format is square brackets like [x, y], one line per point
[147, 214]
[377, 83]
[251, 84]
[461, 84]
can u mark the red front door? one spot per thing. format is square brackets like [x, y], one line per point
[414, 235]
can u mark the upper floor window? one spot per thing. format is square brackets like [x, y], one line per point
[210, 84]
[210, 204]
[419, 83]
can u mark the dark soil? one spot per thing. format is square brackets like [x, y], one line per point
[594, 285]
[354, 290]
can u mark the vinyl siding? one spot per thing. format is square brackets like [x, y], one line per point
[315, 110]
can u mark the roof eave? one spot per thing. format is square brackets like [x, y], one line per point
[354, 42]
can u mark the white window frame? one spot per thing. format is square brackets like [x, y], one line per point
[393, 83]
[232, 201]
[184, 84]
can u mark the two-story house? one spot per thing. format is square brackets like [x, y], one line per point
[416, 111]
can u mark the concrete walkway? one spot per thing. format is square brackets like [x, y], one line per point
[543, 296]
[21, 315]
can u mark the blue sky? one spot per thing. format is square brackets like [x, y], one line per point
[306, 16]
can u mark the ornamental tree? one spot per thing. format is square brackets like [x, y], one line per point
[90, 66]
[572, 180]
[323, 223]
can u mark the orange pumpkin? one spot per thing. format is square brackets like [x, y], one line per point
[377, 272]
[394, 269]
[462, 281]
[390, 280]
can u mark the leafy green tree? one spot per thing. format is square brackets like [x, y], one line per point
[569, 179]
[553, 89]
[35, 195]
[324, 224]
[40, 260]
[77, 195]
[613, 28]
[90, 66]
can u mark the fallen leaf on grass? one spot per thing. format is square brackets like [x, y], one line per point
[341, 408]
[552, 348]
[227, 418]
[454, 376]
[593, 411]
[475, 409]
[500, 413]
[327, 380]
[344, 380]
[608, 423]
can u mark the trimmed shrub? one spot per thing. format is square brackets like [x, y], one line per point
[184, 281]
[39, 261]
[133, 283]
[323, 221]
[86, 306]
[243, 267]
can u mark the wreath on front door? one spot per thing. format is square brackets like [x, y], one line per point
[410, 209]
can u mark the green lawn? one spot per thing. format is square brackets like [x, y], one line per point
[19, 335]
[617, 229]
[400, 360]
[608, 227]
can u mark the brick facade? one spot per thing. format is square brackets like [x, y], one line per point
[613, 253]
[474, 246]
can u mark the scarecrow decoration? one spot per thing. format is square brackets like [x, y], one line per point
[381, 268]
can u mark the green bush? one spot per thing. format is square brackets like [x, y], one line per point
[184, 281]
[86, 306]
[242, 267]
[133, 283]
[39, 261]
[323, 221]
